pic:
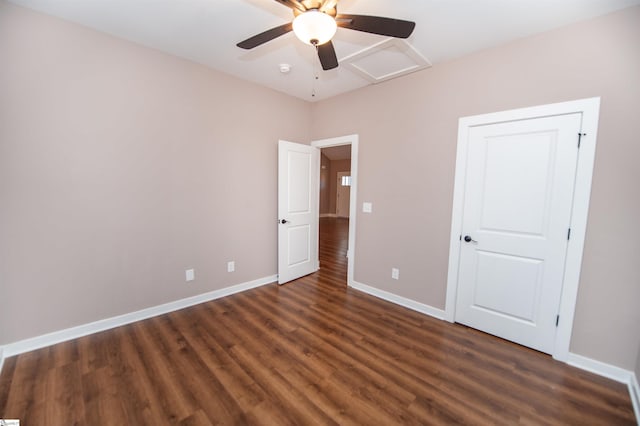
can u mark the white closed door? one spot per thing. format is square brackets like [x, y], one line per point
[519, 185]
[343, 194]
[298, 196]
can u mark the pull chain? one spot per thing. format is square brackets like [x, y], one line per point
[315, 73]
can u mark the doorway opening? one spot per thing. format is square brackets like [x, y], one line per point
[335, 185]
[337, 204]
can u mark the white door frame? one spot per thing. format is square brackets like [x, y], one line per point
[353, 141]
[589, 108]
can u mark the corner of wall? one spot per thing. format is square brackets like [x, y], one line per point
[1, 358]
[399, 300]
[634, 392]
[637, 371]
[600, 368]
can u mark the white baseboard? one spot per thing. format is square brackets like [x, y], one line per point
[49, 339]
[1, 358]
[634, 391]
[399, 300]
[611, 372]
[600, 368]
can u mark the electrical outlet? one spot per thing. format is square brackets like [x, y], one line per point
[395, 273]
[231, 266]
[367, 207]
[190, 274]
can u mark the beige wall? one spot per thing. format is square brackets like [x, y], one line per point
[120, 167]
[328, 182]
[637, 370]
[336, 167]
[408, 130]
[325, 169]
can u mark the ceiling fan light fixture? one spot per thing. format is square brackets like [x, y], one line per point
[314, 27]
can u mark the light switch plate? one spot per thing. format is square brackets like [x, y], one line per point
[367, 207]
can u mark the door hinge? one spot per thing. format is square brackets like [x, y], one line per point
[557, 320]
[580, 135]
[568, 234]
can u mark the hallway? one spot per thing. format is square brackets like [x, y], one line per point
[334, 242]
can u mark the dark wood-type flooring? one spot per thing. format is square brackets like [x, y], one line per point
[309, 352]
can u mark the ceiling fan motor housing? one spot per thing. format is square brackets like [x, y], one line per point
[317, 5]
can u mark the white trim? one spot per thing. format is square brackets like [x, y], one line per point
[399, 300]
[353, 141]
[60, 336]
[600, 368]
[401, 46]
[611, 372]
[589, 108]
[1, 358]
[573, 264]
[634, 392]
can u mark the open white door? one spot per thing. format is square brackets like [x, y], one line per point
[298, 195]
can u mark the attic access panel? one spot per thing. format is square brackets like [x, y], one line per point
[385, 60]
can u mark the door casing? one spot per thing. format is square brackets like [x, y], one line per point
[589, 108]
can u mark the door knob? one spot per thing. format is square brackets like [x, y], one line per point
[283, 221]
[468, 239]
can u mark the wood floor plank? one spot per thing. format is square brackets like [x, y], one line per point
[176, 400]
[6, 380]
[309, 352]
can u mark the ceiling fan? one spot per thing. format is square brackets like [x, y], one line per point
[316, 21]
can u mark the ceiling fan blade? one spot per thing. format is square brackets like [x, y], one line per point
[266, 36]
[376, 25]
[293, 4]
[327, 55]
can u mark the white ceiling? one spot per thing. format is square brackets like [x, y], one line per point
[206, 31]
